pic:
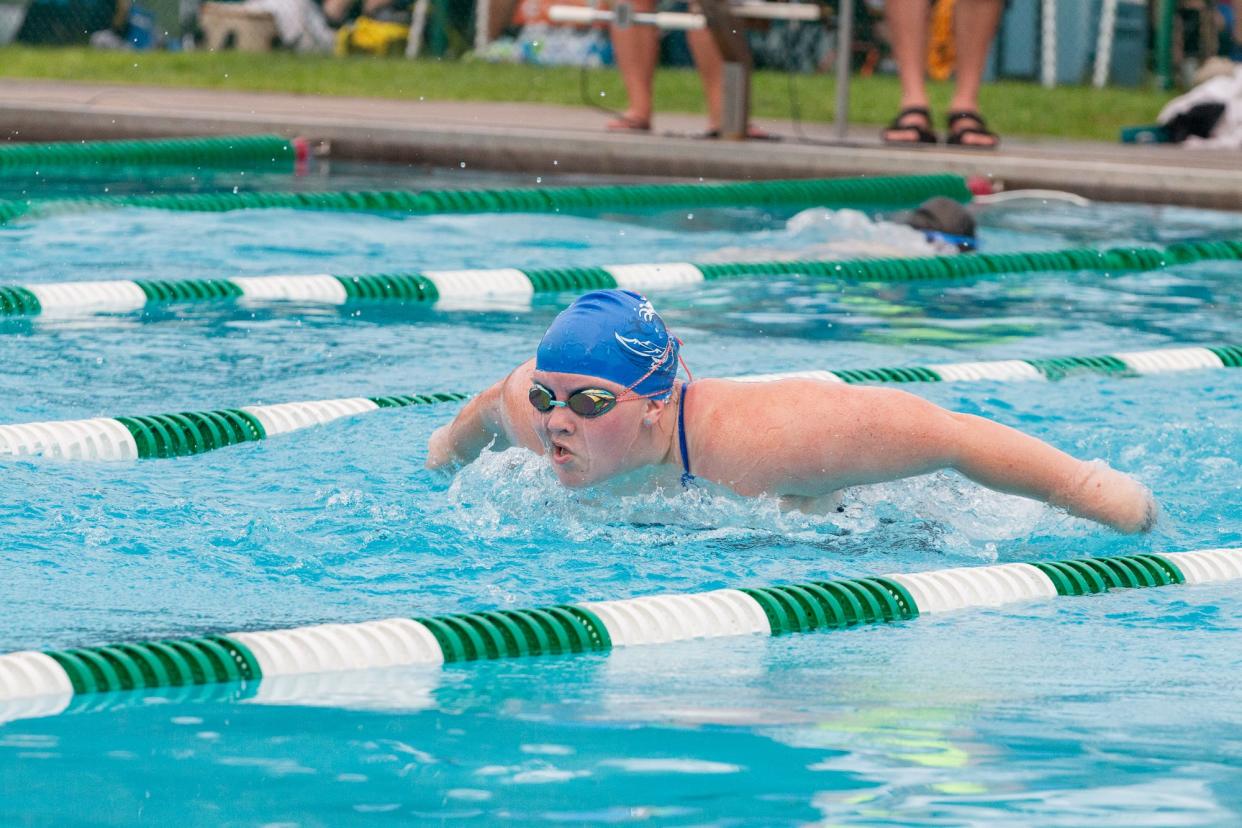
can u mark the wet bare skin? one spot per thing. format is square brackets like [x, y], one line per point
[798, 439]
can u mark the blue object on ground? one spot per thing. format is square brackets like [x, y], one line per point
[142, 33]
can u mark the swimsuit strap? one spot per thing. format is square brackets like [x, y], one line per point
[686, 477]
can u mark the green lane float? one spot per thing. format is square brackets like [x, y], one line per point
[478, 288]
[194, 432]
[189, 432]
[269, 151]
[882, 191]
[585, 628]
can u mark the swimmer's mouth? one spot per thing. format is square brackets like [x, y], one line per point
[560, 454]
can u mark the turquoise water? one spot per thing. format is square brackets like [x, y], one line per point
[1118, 709]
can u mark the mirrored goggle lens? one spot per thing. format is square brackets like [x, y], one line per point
[540, 398]
[591, 403]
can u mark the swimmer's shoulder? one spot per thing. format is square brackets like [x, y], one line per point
[759, 395]
[793, 437]
[512, 405]
[517, 383]
[776, 420]
[730, 417]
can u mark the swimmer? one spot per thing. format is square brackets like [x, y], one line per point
[601, 398]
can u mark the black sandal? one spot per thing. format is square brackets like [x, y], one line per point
[923, 134]
[956, 135]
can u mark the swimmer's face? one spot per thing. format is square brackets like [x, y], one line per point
[586, 450]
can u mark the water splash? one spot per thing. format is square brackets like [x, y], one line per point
[513, 495]
[820, 233]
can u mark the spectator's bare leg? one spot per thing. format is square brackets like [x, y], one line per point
[335, 10]
[1237, 23]
[908, 22]
[500, 15]
[710, 63]
[637, 49]
[974, 26]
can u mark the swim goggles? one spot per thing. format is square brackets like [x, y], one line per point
[592, 402]
[585, 402]
[964, 244]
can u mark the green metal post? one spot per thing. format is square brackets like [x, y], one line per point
[1164, 44]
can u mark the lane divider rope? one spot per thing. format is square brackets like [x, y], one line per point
[592, 627]
[469, 288]
[227, 150]
[194, 432]
[881, 191]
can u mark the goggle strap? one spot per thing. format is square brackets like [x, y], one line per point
[667, 349]
[685, 367]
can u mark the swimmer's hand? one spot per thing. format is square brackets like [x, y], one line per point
[440, 448]
[445, 450]
[1104, 494]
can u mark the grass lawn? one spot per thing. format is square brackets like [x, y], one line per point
[1012, 108]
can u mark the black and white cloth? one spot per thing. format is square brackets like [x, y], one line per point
[1208, 116]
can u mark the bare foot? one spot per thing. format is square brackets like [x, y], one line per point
[628, 123]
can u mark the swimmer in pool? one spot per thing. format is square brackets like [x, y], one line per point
[602, 398]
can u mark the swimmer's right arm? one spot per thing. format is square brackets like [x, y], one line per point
[475, 427]
[490, 419]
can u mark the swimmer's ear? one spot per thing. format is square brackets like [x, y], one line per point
[654, 409]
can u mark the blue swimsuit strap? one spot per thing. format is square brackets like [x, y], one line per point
[686, 477]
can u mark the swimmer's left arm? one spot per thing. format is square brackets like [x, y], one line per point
[1008, 460]
[894, 434]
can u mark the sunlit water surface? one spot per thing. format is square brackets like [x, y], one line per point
[1118, 709]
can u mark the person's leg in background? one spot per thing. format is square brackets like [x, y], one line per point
[336, 12]
[636, 50]
[1237, 30]
[974, 26]
[908, 22]
[710, 63]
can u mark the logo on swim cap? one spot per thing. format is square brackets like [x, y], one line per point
[643, 349]
[615, 335]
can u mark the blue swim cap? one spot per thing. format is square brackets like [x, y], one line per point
[614, 335]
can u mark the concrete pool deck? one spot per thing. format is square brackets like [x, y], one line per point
[553, 139]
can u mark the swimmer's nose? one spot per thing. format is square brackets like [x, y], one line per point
[562, 421]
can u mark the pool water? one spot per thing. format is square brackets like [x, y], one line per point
[1119, 709]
